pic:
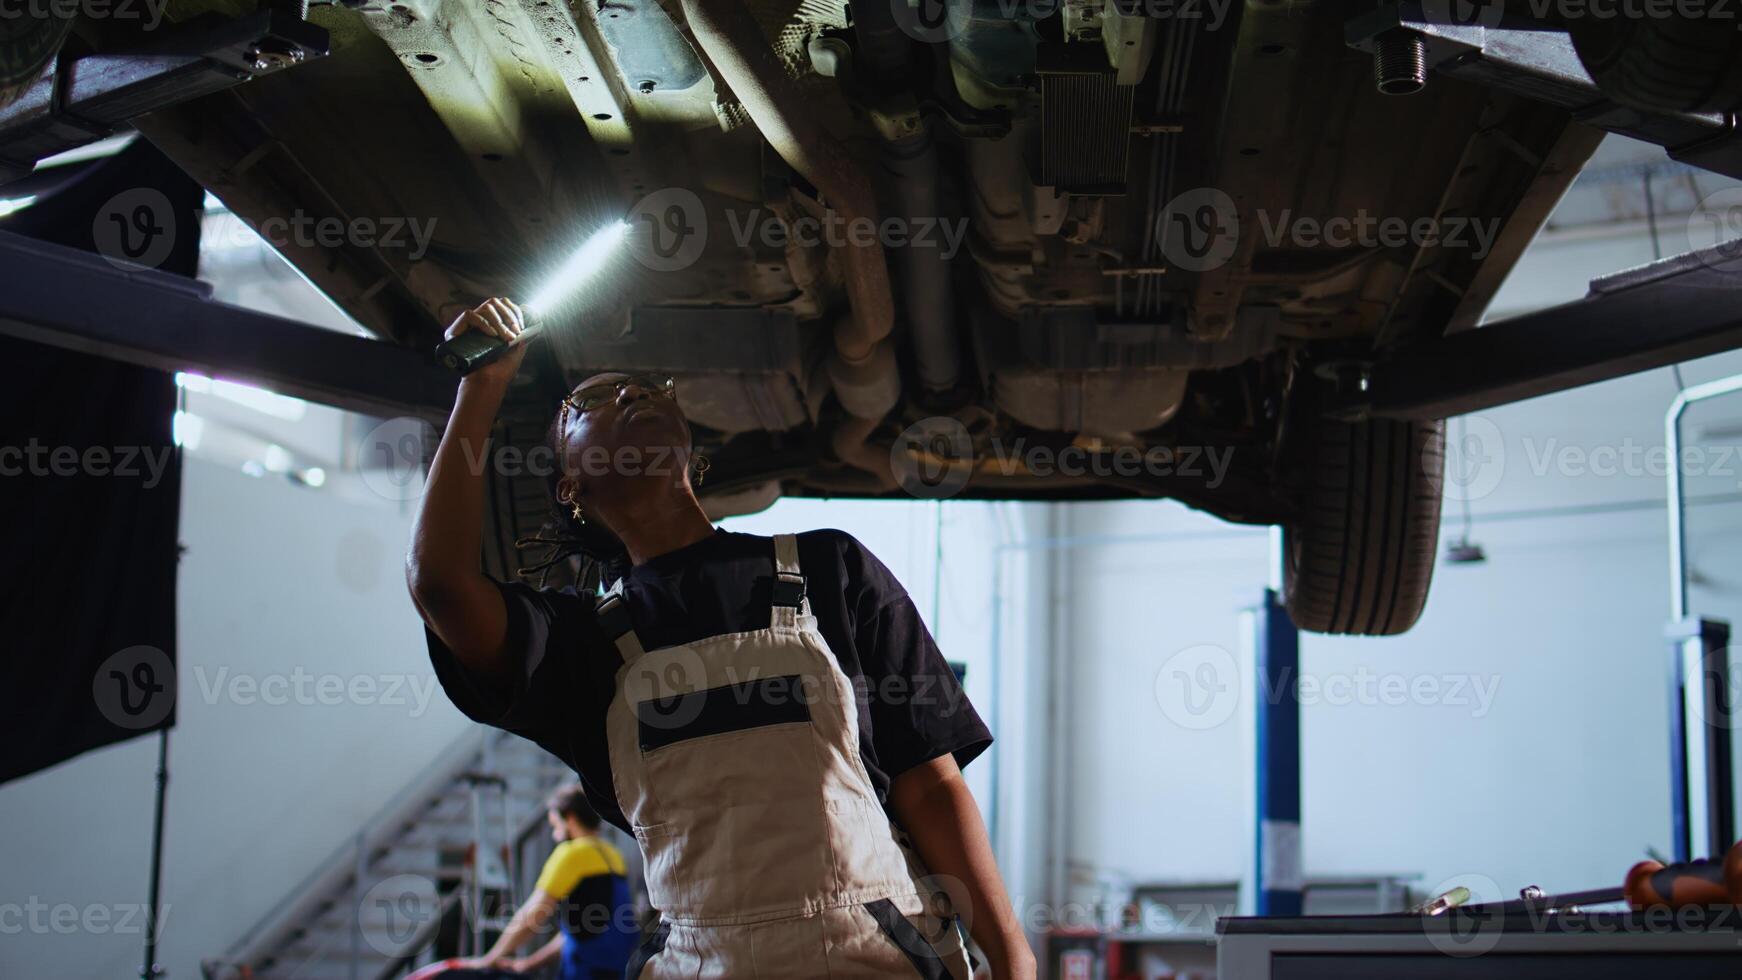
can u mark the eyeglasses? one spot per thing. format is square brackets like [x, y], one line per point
[596, 396]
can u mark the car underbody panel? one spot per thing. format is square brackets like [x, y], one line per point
[1105, 235]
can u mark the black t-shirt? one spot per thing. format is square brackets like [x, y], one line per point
[911, 707]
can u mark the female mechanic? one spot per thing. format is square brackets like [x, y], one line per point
[768, 717]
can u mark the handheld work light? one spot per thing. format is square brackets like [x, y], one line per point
[472, 350]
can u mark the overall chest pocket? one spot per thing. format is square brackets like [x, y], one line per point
[737, 775]
[740, 707]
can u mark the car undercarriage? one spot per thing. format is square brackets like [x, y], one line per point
[1065, 250]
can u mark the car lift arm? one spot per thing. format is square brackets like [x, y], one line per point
[1670, 311]
[79, 100]
[1540, 64]
[77, 300]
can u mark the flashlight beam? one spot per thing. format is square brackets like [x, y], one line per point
[474, 349]
[578, 269]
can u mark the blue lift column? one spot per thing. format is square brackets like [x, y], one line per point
[1276, 700]
[1701, 718]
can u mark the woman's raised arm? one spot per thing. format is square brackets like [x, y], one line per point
[452, 594]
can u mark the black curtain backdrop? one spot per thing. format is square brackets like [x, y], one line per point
[92, 489]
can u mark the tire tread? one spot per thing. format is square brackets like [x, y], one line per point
[1361, 556]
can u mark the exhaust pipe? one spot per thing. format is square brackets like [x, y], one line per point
[863, 367]
[885, 59]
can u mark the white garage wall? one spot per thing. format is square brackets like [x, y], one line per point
[1147, 798]
[280, 585]
[1561, 779]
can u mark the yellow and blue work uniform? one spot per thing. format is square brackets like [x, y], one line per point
[588, 879]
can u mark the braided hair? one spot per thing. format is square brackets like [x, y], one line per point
[603, 558]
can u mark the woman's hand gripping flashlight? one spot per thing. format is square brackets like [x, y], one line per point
[489, 339]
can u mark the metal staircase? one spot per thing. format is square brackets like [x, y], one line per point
[430, 874]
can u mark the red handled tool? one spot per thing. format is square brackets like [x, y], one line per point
[1710, 881]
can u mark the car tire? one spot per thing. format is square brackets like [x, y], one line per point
[1668, 64]
[27, 44]
[1360, 557]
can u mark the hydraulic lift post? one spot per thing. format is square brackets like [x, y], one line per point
[1278, 885]
[1272, 647]
[1702, 807]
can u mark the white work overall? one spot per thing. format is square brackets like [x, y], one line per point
[736, 761]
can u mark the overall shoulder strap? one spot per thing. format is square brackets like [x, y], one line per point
[614, 619]
[789, 598]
